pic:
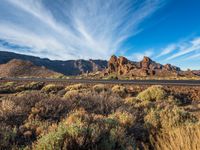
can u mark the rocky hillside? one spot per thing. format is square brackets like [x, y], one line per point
[20, 68]
[69, 67]
[147, 67]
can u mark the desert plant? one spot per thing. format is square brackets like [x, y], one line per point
[14, 110]
[50, 108]
[75, 87]
[99, 88]
[101, 103]
[8, 136]
[153, 93]
[9, 84]
[52, 88]
[71, 94]
[169, 117]
[120, 90]
[81, 130]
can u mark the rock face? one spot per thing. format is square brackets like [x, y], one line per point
[19, 68]
[146, 67]
[69, 67]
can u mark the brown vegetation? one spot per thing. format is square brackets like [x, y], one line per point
[53, 116]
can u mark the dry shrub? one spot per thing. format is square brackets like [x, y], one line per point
[75, 87]
[71, 94]
[168, 118]
[52, 88]
[50, 108]
[29, 86]
[81, 130]
[131, 100]
[7, 136]
[99, 88]
[124, 118]
[15, 109]
[100, 103]
[6, 89]
[120, 90]
[9, 84]
[153, 93]
[180, 138]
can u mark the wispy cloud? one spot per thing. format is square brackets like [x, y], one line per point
[167, 50]
[74, 29]
[185, 48]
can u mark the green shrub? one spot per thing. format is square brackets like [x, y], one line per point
[153, 93]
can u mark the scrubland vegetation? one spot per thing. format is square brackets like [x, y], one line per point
[107, 117]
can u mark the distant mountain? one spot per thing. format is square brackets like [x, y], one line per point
[69, 67]
[147, 67]
[20, 68]
[120, 66]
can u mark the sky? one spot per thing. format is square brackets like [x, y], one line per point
[168, 31]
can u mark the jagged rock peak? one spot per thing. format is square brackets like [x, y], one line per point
[146, 59]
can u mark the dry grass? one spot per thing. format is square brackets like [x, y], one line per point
[180, 138]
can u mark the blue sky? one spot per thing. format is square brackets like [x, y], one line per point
[168, 31]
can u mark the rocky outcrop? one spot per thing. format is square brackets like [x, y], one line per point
[146, 67]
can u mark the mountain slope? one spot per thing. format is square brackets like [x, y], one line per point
[20, 68]
[69, 67]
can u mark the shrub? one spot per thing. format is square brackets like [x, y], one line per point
[6, 89]
[30, 86]
[75, 87]
[9, 84]
[153, 93]
[120, 90]
[14, 110]
[7, 136]
[52, 88]
[71, 94]
[124, 118]
[100, 103]
[169, 117]
[131, 100]
[86, 131]
[50, 108]
[99, 88]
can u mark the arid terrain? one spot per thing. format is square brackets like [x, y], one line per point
[37, 115]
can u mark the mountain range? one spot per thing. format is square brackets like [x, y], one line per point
[69, 67]
[13, 64]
